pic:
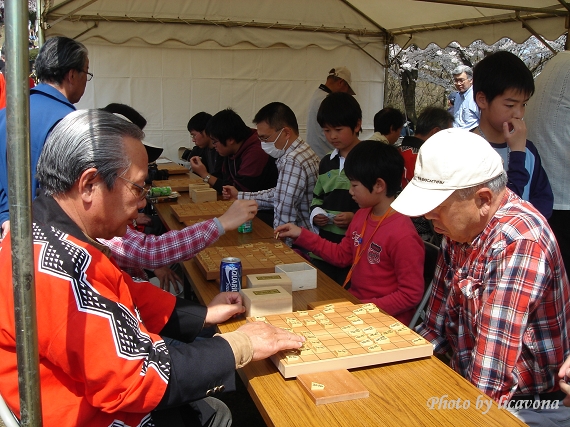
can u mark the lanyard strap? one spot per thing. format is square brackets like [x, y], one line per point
[359, 249]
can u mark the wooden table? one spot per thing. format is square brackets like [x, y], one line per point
[399, 392]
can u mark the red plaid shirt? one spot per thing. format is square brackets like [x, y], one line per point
[135, 250]
[502, 304]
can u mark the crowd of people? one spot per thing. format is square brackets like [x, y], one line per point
[116, 350]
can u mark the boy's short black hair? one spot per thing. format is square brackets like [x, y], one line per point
[387, 119]
[339, 109]
[501, 71]
[198, 122]
[226, 124]
[433, 117]
[370, 160]
[277, 115]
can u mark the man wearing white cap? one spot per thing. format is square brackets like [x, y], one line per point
[338, 80]
[500, 298]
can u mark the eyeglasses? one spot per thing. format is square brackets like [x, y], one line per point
[459, 81]
[137, 190]
[89, 75]
[266, 138]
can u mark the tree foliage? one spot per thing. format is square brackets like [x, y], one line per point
[418, 78]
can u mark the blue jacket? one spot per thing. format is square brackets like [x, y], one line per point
[526, 176]
[47, 107]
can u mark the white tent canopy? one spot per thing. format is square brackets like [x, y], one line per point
[171, 59]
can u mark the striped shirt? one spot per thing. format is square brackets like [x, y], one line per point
[291, 197]
[502, 304]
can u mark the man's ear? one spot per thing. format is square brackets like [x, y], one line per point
[484, 199]
[87, 184]
[481, 100]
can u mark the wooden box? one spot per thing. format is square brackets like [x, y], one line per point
[269, 279]
[197, 186]
[200, 195]
[266, 300]
[302, 274]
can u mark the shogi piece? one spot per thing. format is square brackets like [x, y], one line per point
[344, 337]
[330, 387]
[260, 257]
[200, 210]
[269, 279]
[201, 195]
[266, 300]
[302, 274]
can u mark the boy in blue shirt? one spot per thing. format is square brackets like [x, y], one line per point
[502, 85]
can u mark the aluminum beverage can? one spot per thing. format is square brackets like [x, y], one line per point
[230, 275]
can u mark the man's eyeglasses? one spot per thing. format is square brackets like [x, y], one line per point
[459, 81]
[266, 138]
[137, 190]
[89, 75]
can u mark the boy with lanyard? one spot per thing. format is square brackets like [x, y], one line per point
[383, 247]
[332, 207]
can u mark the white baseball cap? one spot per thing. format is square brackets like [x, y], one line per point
[343, 73]
[450, 160]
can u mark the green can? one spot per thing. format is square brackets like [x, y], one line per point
[246, 227]
[160, 191]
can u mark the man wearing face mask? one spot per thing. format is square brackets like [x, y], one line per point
[297, 163]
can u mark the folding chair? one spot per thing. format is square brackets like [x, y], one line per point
[6, 415]
[432, 252]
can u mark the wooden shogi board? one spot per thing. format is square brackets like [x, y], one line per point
[200, 210]
[172, 168]
[260, 257]
[344, 337]
[179, 184]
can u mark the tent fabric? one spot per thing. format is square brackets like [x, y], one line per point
[168, 85]
[446, 21]
[172, 59]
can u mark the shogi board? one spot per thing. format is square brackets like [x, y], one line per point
[200, 210]
[260, 257]
[172, 168]
[345, 337]
[179, 184]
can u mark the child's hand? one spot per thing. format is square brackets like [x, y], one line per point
[320, 220]
[514, 131]
[343, 219]
[287, 230]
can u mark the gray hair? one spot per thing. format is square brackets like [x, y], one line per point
[81, 140]
[496, 185]
[57, 57]
[460, 69]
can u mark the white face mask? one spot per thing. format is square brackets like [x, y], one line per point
[269, 147]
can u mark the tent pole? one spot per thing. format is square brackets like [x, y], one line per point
[18, 147]
[39, 12]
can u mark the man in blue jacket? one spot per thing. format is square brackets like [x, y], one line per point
[62, 67]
